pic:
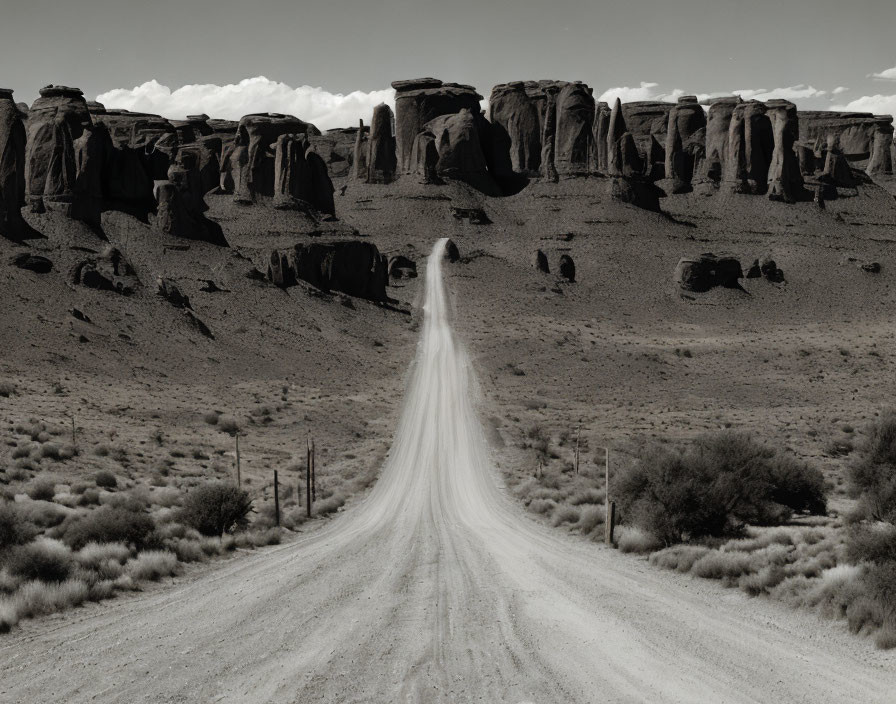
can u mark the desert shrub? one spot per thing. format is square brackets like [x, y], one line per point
[152, 565]
[14, 529]
[105, 479]
[44, 560]
[587, 496]
[211, 417]
[38, 598]
[43, 514]
[680, 558]
[591, 518]
[108, 524]
[215, 508]
[714, 487]
[768, 577]
[89, 497]
[541, 506]
[7, 389]
[872, 543]
[258, 538]
[41, 489]
[633, 539]
[187, 550]
[96, 555]
[872, 478]
[330, 505]
[229, 425]
[565, 514]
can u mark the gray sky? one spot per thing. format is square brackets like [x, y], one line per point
[698, 46]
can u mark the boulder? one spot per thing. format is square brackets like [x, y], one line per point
[32, 262]
[549, 135]
[541, 262]
[718, 125]
[426, 158]
[12, 167]
[707, 271]
[516, 127]
[381, 158]
[255, 135]
[167, 289]
[280, 271]
[750, 146]
[418, 102]
[837, 170]
[881, 161]
[766, 268]
[634, 191]
[348, 266]
[567, 268]
[176, 216]
[785, 181]
[108, 271]
[686, 119]
[452, 253]
[572, 140]
[401, 267]
[321, 186]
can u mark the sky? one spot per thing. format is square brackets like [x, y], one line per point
[331, 61]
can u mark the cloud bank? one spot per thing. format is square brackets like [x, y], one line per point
[652, 91]
[877, 104]
[326, 110]
[887, 75]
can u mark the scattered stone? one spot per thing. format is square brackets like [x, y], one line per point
[765, 267]
[707, 271]
[871, 267]
[167, 289]
[347, 266]
[32, 262]
[475, 216]
[401, 267]
[78, 315]
[541, 262]
[452, 253]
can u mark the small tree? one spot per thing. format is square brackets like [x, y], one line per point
[216, 508]
[872, 479]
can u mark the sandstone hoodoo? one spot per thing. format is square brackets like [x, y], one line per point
[707, 271]
[421, 100]
[460, 151]
[686, 120]
[750, 147]
[785, 182]
[12, 167]
[615, 130]
[426, 158]
[882, 150]
[349, 266]
[600, 130]
[549, 135]
[359, 153]
[648, 122]
[177, 215]
[252, 160]
[718, 125]
[381, 157]
[516, 127]
[292, 174]
[572, 141]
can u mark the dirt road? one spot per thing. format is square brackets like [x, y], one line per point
[436, 589]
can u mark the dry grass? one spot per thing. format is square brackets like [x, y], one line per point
[152, 565]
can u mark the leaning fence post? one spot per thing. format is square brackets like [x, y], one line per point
[611, 523]
[276, 499]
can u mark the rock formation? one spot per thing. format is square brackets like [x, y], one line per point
[12, 167]
[421, 100]
[686, 119]
[460, 151]
[750, 146]
[567, 268]
[572, 141]
[615, 130]
[256, 134]
[600, 130]
[401, 267]
[425, 156]
[718, 125]
[648, 122]
[541, 262]
[852, 133]
[321, 186]
[381, 158]
[881, 161]
[548, 135]
[785, 182]
[359, 154]
[517, 127]
[176, 214]
[32, 262]
[292, 174]
[108, 271]
[707, 271]
[349, 266]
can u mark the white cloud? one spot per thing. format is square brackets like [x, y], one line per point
[839, 89]
[798, 92]
[888, 75]
[877, 104]
[646, 91]
[259, 94]
[652, 91]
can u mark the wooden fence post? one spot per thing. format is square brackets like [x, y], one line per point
[577, 448]
[276, 499]
[73, 430]
[313, 470]
[611, 523]
[239, 480]
[308, 477]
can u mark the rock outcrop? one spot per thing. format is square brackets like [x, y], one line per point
[426, 158]
[381, 156]
[881, 161]
[686, 120]
[359, 161]
[718, 126]
[516, 127]
[785, 181]
[292, 174]
[401, 267]
[707, 271]
[541, 262]
[32, 262]
[12, 167]
[108, 271]
[460, 152]
[616, 128]
[567, 268]
[350, 266]
[549, 135]
[600, 130]
[418, 102]
[177, 216]
[572, 140]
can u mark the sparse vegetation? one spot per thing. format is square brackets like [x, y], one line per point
[216, 508]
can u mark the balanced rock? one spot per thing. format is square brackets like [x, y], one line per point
[381, 157]
[707, 271]
[572, 140]
[12, 167]
[418, 102]
[516, 127]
